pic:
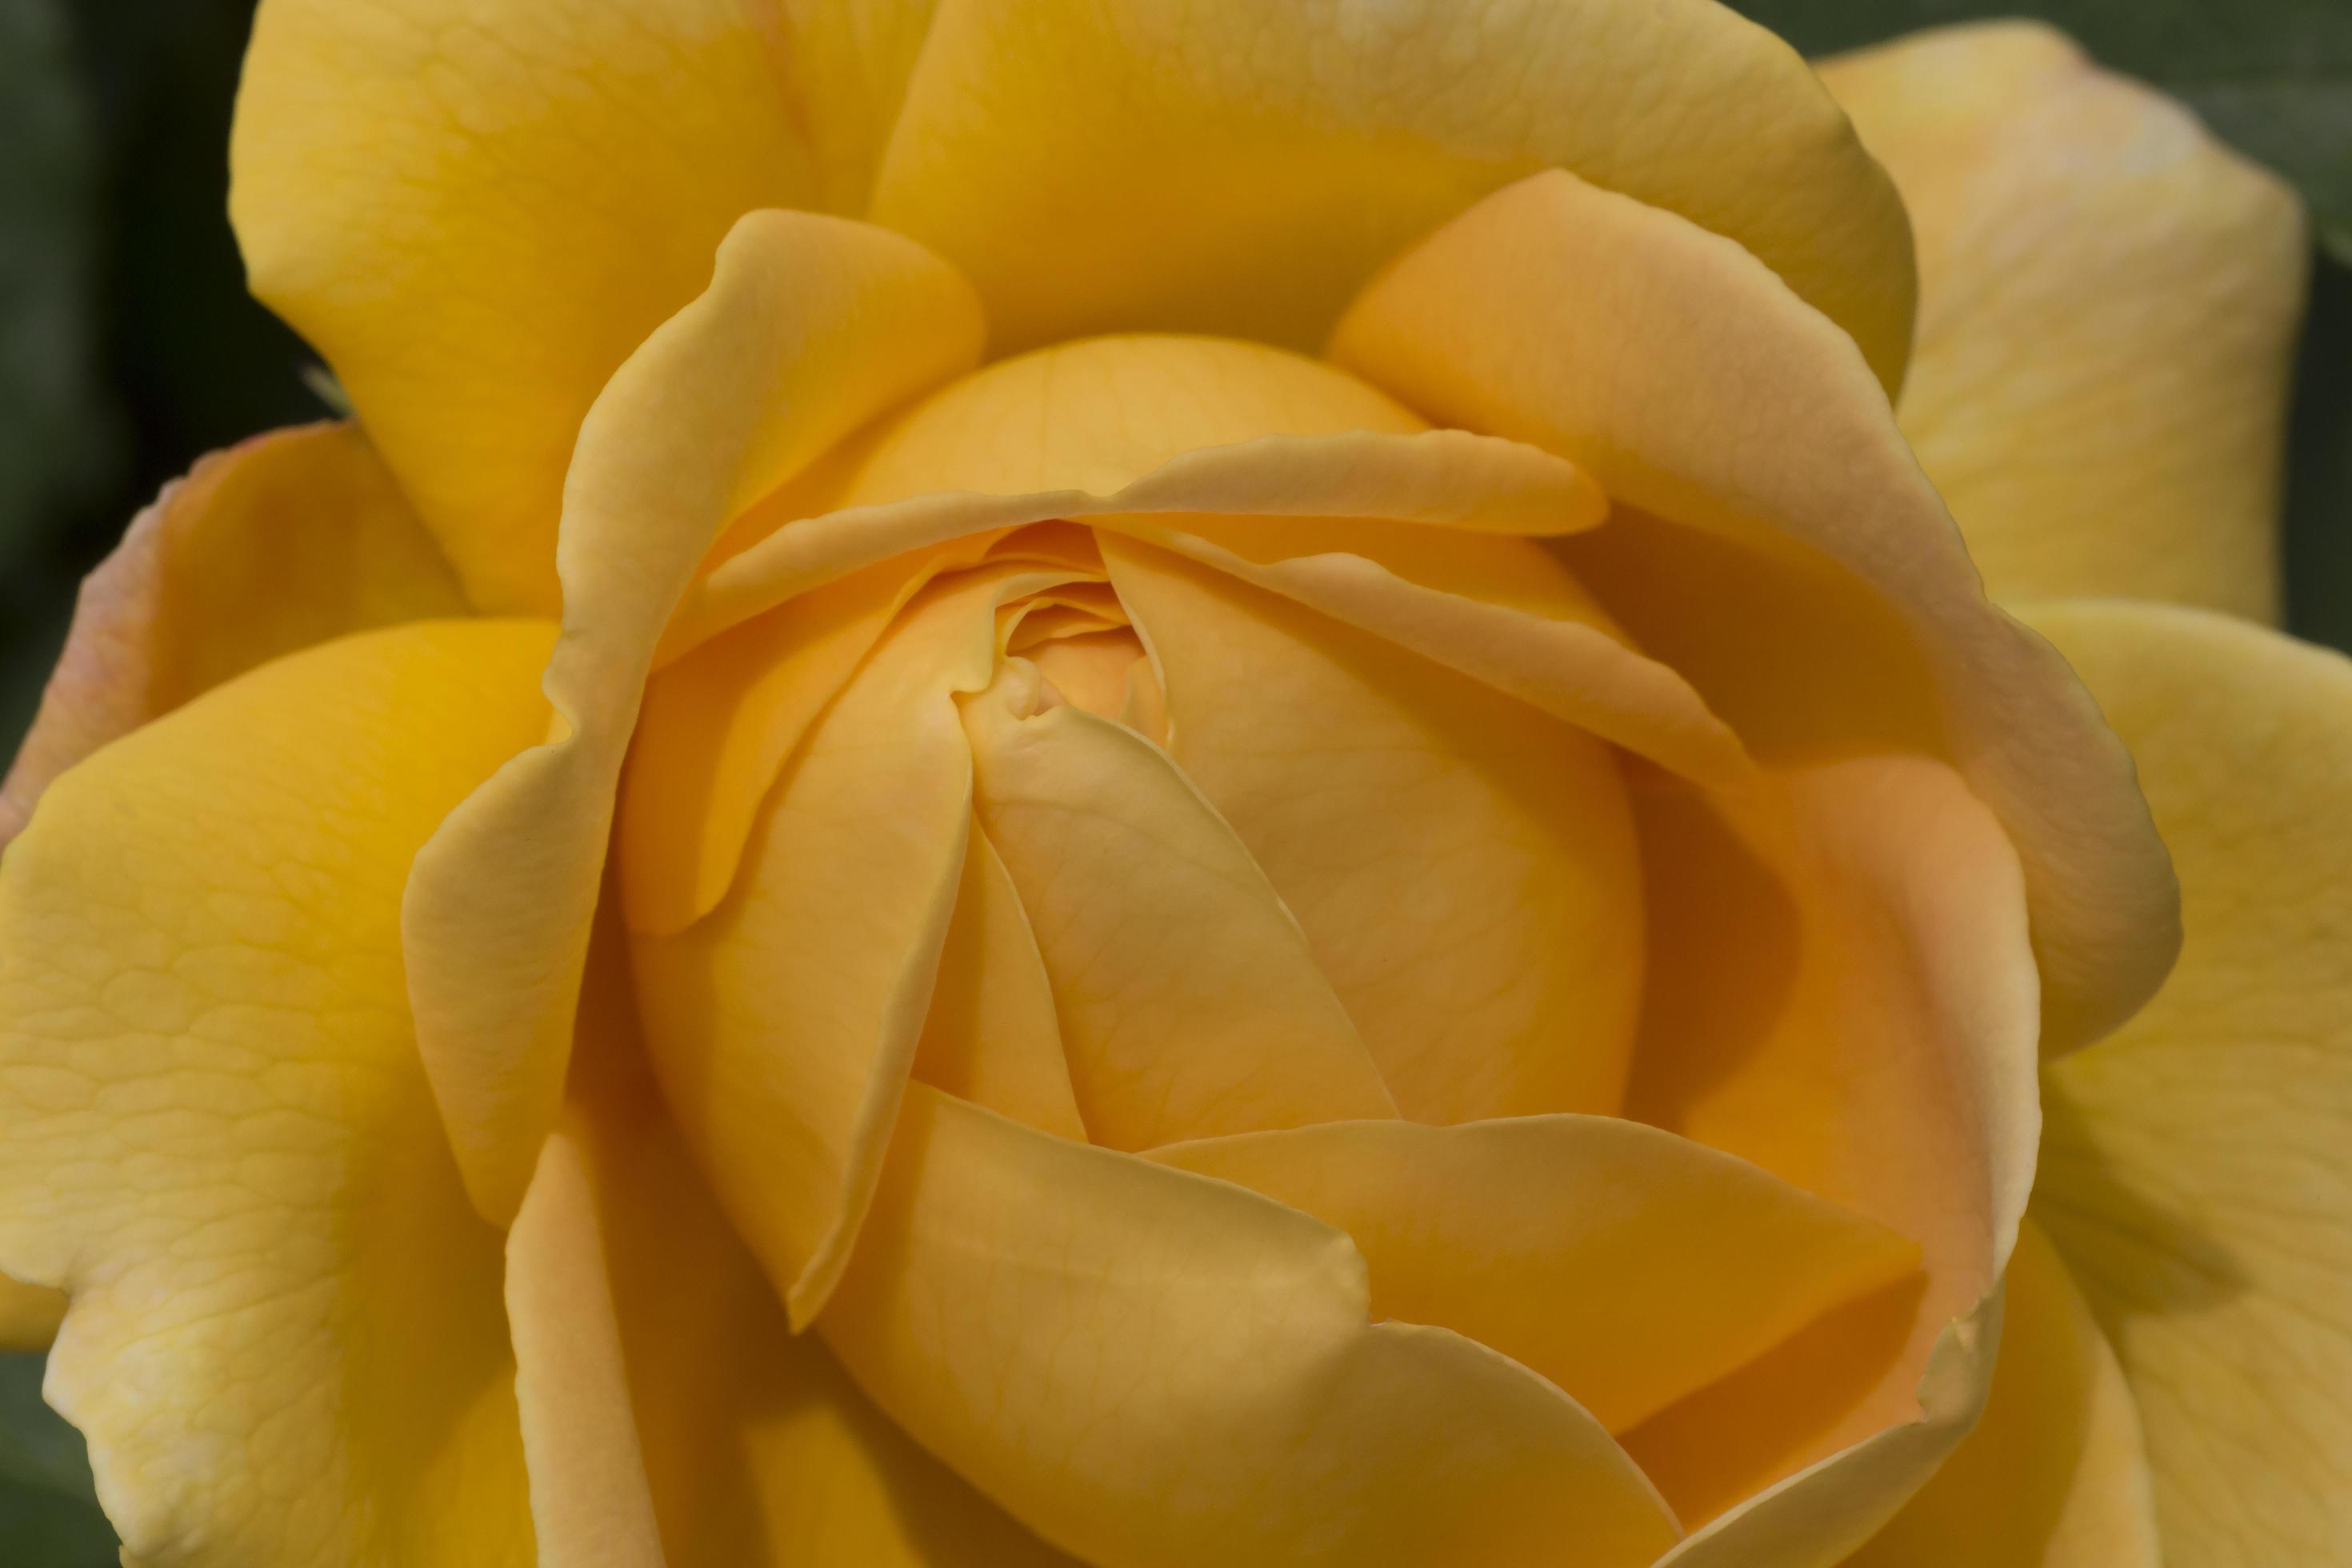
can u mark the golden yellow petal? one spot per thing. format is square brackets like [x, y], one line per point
[2055, 1475]
[2108, 305]
[1237, 168]
[810, 327]
[286, 1342]
[1463, 868]
[29, 1315]
[1627, 1265]
[1806, 579]
[1842, 992]
[1190, 1002]
[477, 213]
[2195, 1177]
[1151, 1367]
[280, 543]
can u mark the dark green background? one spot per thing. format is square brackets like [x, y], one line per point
[128, 348]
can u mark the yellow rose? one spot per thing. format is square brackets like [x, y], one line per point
[1272, 822]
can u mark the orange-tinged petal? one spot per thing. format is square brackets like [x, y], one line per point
[1698, 389]
[1231, 167]
[1465, 868]
[1151, 1367]
[2194, 1177]
[2108, 305]
[810, 327]
[992, 1035]
[285, 1341]
[1190, 1002]
[278, 544]
[2055, 1475]
[1842, 992]
[784, 1025]
[757, 1449]
[477, 213]
[1627, 1265]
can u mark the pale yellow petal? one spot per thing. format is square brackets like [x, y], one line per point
[1830, 605]
[810, 327]
[2055, 1475]
[784, 1025]
[1190, 1002]
[1151, 1367]
[1842, 992]
[286, 1342]
[2108, 315]
[1629, 1265]
[1229, 166]
[477, 213]
[2196, 1176]
[758, 1450]
[992, 1035]
[1465, 868]
[280, 543]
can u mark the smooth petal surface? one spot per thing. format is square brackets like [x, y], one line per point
[2195, 1175]
[1149, 1367]
[2055, 1475]
[29, 1315]
[1465, 868]
[1231, 167]
[1698, 389]
[757, 1449]
[2108, 305]
[810, 327]
[278, 544]
[477, 213]
[783, 1027]
[1627, 1265]
[1190, 1001]
[1842, 992]
[286, 1342]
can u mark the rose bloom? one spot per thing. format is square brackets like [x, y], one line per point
[1245, 803]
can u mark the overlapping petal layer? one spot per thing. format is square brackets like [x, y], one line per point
[2108, 305]
[1233, 167]
[2193, 1177]
[286, 1342]
[1151, 1367]
[1784, 549]
[283, 541]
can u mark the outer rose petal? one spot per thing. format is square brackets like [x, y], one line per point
[2109, 307]
[1806, 578]
[477, 212]
[281, 542]
[2196, 1176]
[29, 1315]
[2054, 1475]
[810, 326]
[1236, 167]
[285, 1343]
[1151, 1367]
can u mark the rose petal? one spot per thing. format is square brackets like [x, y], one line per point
[2109, 307]
[1235, 168]
[1842, 613]
[2195, 1177]
[286, 1342]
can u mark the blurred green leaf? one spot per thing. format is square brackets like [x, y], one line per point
[2272, 77]
[47, 1516]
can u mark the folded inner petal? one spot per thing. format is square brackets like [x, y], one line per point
[1698, 389]
[1152, 1368]
[1463, 868]
[1627, 1265]
[1190, 1002]
[285, 1341]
